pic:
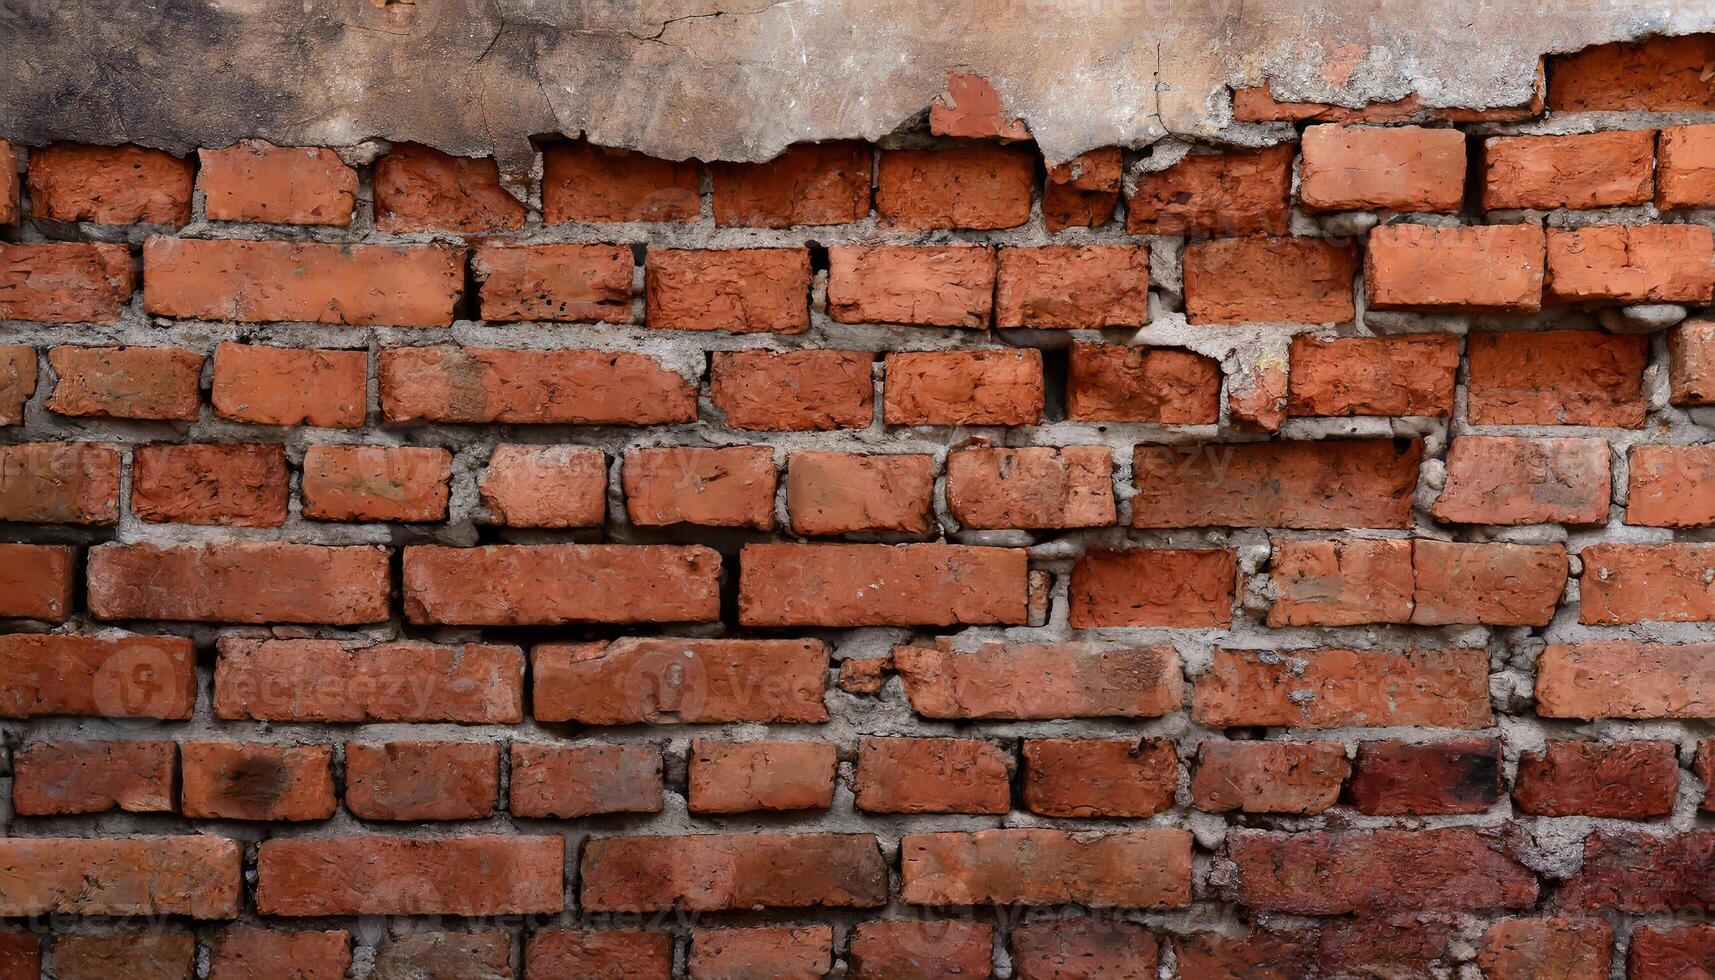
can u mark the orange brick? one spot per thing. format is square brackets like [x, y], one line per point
[581, 182]
[374, 875]
[1403, 375]
[1515, 480]
[1658, 74]
[8, 199]
[126, 382]
[1557, 377]
[1691, 363]
[692, 681]
[1336, 483]
[554, 282]
[418, 188]
[117, 676]
[980, 387]
[1300, 778]
[1237, 193]
[1671, 486]
[1280, 280]
[920, 949]
[1341, 582]
[545, 486]
[795, 952]
[1496, 584]
[253, 180]
[1637, 583]
[241, 486]
[249, 953]
[197, 876]
[542, 387]
[566, 782]
[745, 777]
[1361, 168]
[94, 777]
[17, 381]
[1148, 868]
[1098, 777]
[1685, 177]
[561, 583]
[320, 681]
[727, 487]
[942, 286]
[36, 581]
[1625, 264]
[1115, 383]
[376, 483]
[251, 781]
[240, 582]
[808, 184]
[932, 775]
[1483, 269]
[1083, 191]
[65, 283]
[1086, 287]
[59, 483]
[978, 186]
[1327, 688]
[713, 872]
[1106, 947]
[114, 185]
[743, 290]
[842, 493]
[793, 391]
[1625, 679]
[1589, 170]
[422, 780]
[1177, 588]
[880, 585]
[282, 386]
[573, 953]
[1037, 681]
[1034, 487]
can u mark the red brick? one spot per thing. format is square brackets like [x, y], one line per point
[1703, 765]
[1393, 778]
[980, 387]
[581, 182]
[745, 777]
[1084, 287]
[1257, 104]
[460, 954]
[1668, 954]
[20, 952]
[808, 184]
[714, 487]
[783, 952]
[1361, 168]
[1626, 264]
[163, 954]
[373, 875]
[8, 199]
[941, 286]
[707, 873]
[566, 782]
[1685, 175]
[253, 180]
[901, 585]
[561, 583]
[254, 282]
[1557, 377]
[1083, 191]
[598, 955]
[842, 493]
[423, 780]
[240, 486]
[1516, 480]
[1085, 947]
[564, 387]
[1623, 780]
[932, 775]
[554, 282]
[1587, 170]
[1318, 873]
[1341, 582]
[1671, 486]
[1041, 681]
[1404, 375]
[1529, 949]
[376, 483]
[1256, 392]
[1691, 362]
[920, 949]
[1115, 383]
[126, 382]
[1330, 688]
[975, 186]
[1145, 868]
[320, 681]
[690, 681]
[17, 381]
[1404, 946]
[1237, 193]
[240, 582]
[1297, 778]
[1641, 873]
[249, 953]
[120, 676]
[59, 483]
[1333, 484]
[283, 386]
[250, 781]
[1274, 280]
[802, 390]
[65, 283]
[418, 188]
[1177, 588]
[1658, 74]
[1637, 583]
[1094, 777]
[545, 486]
[1257, 956]
[970, 108]
[93, 777]
[36, 581]
[1483, 269]
[743, 290]
[1625, 679]
[116, 185]
[1494, 584]
[198, 876]
[1034, 487]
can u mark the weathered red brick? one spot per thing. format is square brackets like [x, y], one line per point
[1033, 487]
[784, 952]
[1115, 383]
[1334, 483]
[1632, 264]
[716, 487]
[1178, 588]
[1322, 873]
[877, 584]
[1691, 362]
[1516, 480]
[1041, 681]
[973, 186]
[706, 873]
[842, 493]
[1258, 955]
[1671, 486]
[252, 781]
[742, 290]
[1274, 280]
[1146, 868]
[283, 386]
[1236, 193]
[1329, 688]
[1299, 778]
[240, 582]
[1663, 954]
[376, 483]
[569, 781]
[1585, 170]
[126, 382]
[565, 387]
[65, 283]
[1086, 287]
[462, 954]
[554, 282]
[1623, 781]
[1658, 74]
[581, 182]
[124, 676]
[199, 876]
[1088, 946]
[1528, 949]
[1363, 168]
[8, 194]
[253, 180]
[249, 953]
[253, 282]
[1685, 174]
[808, 184]
[423, 780]
[545, 486]
[742, 777]
[1341, 582]
[1392, 778]
[941, 286]
[1083, 191]
[1641, 873]
[161, 954]
[242, 486]
[561, 583]
[1625, 679]
[616, 955]
[93, 777]
[374, 875]
[1636, 583]
[418, 188]
[17, 381]
[59, 483]
[1404, 375]
[1487, 268]
[116, 185]
[36, 581]
[801, 390]
[692, 681]
[970, 108]
[920, 949]
[1557, 377]
[1494, 584]
[1096, 777]
[933, 775]
[320, 681]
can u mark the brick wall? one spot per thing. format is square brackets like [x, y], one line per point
[888, 561]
